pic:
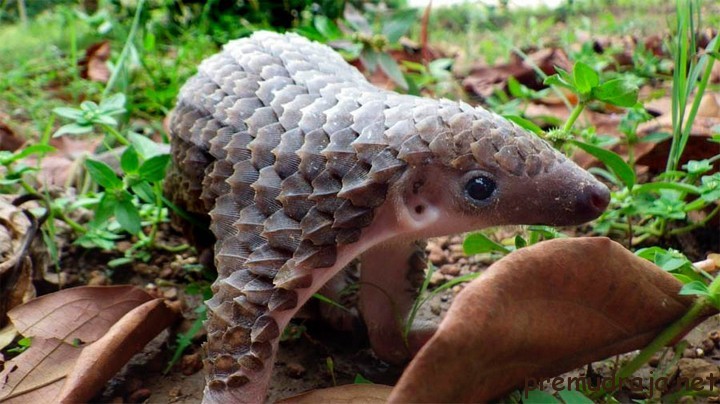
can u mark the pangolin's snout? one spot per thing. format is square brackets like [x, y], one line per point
[593, 201]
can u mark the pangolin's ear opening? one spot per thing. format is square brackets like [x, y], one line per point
[416, 213]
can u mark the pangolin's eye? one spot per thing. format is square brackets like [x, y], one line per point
[480, 188]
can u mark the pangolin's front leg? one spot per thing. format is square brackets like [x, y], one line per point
[303, 166]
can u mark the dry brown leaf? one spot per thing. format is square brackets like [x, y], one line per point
[483, 80]
[84, 313]
[99, 361]
[37, 375]
[538, 312]
[60, 167]
[119, 319]
[349, 393]
[94, 67]
[16, 257]
[8, 139]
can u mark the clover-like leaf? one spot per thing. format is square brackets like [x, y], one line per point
[130, 161]
[103, 174]
[153, 169]
[618, 92]
[585, 78]
[128, 216]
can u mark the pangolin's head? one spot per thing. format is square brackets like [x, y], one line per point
[486, 171]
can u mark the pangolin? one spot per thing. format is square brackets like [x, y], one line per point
[304, 166]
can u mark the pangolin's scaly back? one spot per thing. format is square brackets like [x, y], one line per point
[290, 150]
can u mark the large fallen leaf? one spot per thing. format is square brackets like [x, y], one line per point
[37, 375]
[99, 361]
[83, 313]
[349, 393]
[539, 312]
[58, 367]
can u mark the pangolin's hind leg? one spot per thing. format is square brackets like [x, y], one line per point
[390, 276]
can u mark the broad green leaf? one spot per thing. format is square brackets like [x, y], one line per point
[585, 78]
[144, 191]
[153, 169]
[129, 161]
[617, 92]
[612, 160]
[73, 129]
[34, 149]
[520, 242]
[656, 137]
[391, 68]
[114, 104]
[515, 87]
[69, 113]
[399, 24]
[695, 288]
[412, 66]
[710, 190]
[105, 209]
[327, 27]
[698, 167]
[103, 174]
[145, 147]
[556, 80]
[128, 216]
[478, 243]
[89, 106]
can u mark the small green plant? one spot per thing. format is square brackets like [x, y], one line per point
[371, 39]
[89, 114]
[14, 169]
[585, 82]
[124, 198]
[135, 198]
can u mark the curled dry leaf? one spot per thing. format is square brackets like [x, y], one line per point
[99, 361]
[17, 257]
[84, 313]
[350, 393]
[539, 312]
[117, 321]
[94, 67]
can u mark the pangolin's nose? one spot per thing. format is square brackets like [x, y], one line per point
[594, 200]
